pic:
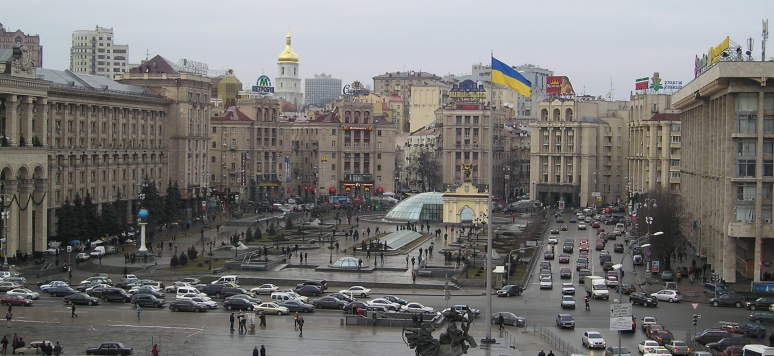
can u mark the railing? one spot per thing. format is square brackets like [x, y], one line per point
[560, 344]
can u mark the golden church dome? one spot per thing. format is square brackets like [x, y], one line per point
[288, 56]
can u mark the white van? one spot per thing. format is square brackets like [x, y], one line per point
[186, 290]
[224, 279]
[98, 251]
[757, 350]
[281, 297]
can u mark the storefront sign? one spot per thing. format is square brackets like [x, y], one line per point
[365, 128]
[713, 55]
[468, 89]
[355, 89]
[467, 107]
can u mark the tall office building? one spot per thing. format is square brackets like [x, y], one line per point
[321, 90]
[93, 52]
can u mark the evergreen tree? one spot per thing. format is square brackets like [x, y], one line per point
[249, 235]
[79, 217]
[119, 206]
[108, 220]
[172, 203]
[257, 235]
[91, 220]
[183, 259]
[152, 202]
[289, 223]
[66, 223]
[174, 261]
[194, 253]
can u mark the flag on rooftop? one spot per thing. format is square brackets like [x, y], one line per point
[504, 75]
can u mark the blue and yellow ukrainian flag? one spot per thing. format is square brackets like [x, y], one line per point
[504, 75]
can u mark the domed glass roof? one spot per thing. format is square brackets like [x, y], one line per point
[346, 262]
[421, 207]
[287, 55]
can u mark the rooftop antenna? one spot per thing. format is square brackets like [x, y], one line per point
[610, 94]
[765, 34]
[147, 54]
[750, 43]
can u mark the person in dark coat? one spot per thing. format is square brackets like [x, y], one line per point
[256, 352]
[263, 351]
[231, 320]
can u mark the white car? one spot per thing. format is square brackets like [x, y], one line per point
[295, 295]
[611, 281]
[417, 308]
[385, 303]
[91, 288]
[173, 287]
[668, 295]
[136, 288]
[568, 302]
[189, 296]
[206, 301]
[647, 321]
[264, 289]
[582, 226]
[568, 288]
[647, 346]
[24, 292]
[272, 308]
[658, 352]
[546, 283]
[593, 340]
[357, 290]
[553, 240]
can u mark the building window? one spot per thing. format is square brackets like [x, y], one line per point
[378, 167]
[333, 143]
[378, 145]
[746, 168]
[675, 139]
[746, 123]
[768, 146]
[746, 147]
[675, 128]
[768, 123]
[768, 168]
[674, 175]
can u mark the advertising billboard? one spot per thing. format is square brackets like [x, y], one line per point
[559, 87]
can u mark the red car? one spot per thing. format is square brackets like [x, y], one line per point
[734, 350]
[595, 224]
[584, 247]
[16, 300]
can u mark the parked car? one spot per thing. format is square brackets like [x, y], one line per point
[80, 298]
[386, 303]
[726, 342]
[272, 308]
[762, 317]
[667, 276]
[351, 308]
[49, 280]
[643, 299]
[264, 289]
[357, 290]
[187, 305]
[329, 302]
[748, 329]
[678, 347]
[298, 306]
[239, 304]
[82, 257]
[16, 300]
[727, 300]
[147, 300]
[349, 299]
[110, 348]
[509, 290]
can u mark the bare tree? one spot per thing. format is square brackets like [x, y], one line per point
[426, 169]
[667, 212]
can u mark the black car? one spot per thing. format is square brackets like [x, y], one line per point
[246, 297]
[760, 303]
[319, 283]
[329, 302]
[239, 304]
[727, 300]
[583, 272]
[61, 291]
[711, 335]
[548, 255]
[149, 291]
[565, 321]
[607, 266]
[509, 290]
[147, 300]
[110, 348]
[298, 306]
[80, 298]
[391, 298]
[762, 317]
[568, 248]
[187, 305]
[228, 291]
[643, 299]
[212, 290]
[308, 290]
[663, 337]
[618, 248]
[565, 273]
[111, 294]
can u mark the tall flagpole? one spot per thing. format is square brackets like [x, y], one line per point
[488, 338]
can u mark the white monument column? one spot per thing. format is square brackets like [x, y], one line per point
[142, 217]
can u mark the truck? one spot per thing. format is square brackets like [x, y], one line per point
[596, 287]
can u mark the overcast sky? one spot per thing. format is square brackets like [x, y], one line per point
[591, 42]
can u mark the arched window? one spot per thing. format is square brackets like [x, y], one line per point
[556, 115]
[347, 115]
[544, 115]
[568, 114]
[282, 69]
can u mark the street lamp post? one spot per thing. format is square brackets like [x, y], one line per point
[6, 215]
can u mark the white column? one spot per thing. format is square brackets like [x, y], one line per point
[142, 239]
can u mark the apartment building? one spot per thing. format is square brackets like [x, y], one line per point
[95, 52]
[654, 144]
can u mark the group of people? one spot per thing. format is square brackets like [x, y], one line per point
[18, 342]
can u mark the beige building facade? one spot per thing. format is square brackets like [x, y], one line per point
[425, 100]
[578, 152]
[186, 130]
[654, 144]
[400, 83]
[727, 118]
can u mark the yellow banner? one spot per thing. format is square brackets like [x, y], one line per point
[715, 52]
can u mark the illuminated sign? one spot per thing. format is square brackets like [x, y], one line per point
[655, 83]
[559, 87]
[641, 83]
[193, 67]
[366, 128]
[714, 55]
[355, 89]
[468, 89]
[673, 84]
[287, 169]
[263, 86]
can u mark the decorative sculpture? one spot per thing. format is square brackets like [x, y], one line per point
[468, 169]
[452, 342]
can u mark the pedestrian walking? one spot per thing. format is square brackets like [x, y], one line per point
[72, 311]
[586, 299]
[295, 321]
[541, 353]
[771, 341]
[407, 260]
[231, 320]
[240, 317]
[18, 344]
[4, 342]
[263, 350]
[550, 353]
[501, 321]
[58, 349]
[415, 321]
[138, 311]
[262, 317]
[373, 316]
[154, 351]
[256, 352]
[243, 324]
[679, 276]
[306, 256]
[301, 325]
[381, 256]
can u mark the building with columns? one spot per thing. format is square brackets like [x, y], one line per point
[287, 84]
[578, 152]
[727, 166]
[186, 131]
[654, 144]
